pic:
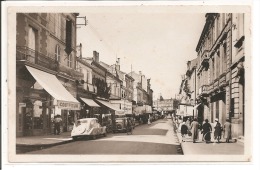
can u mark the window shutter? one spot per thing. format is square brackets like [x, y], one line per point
[68, 48]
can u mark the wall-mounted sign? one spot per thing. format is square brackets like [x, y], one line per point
[68, 105]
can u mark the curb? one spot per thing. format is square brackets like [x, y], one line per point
[23, 148]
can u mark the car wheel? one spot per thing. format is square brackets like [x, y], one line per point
[75, 138]
[105, 134]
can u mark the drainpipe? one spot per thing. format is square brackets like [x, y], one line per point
[230, 70]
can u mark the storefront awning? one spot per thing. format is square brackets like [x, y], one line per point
[195, 107]
[53, 86]
[89, 102]
[109, 105]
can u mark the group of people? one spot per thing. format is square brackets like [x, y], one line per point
[192, 129]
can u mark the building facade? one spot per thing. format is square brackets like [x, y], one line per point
[45, 72]
[220, 89]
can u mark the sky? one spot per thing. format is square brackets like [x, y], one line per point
[157, 41]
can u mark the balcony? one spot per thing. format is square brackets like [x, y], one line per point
[203, 90]
[28, 55]
[34, 57]
[204, 60]
[67, 71]
[88, 88]
[222, 80]
[210, 88]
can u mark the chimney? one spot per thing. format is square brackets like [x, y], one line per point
[96, 56]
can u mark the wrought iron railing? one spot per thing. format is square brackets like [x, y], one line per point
[35, 57]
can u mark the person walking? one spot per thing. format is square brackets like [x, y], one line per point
[57, 124]
[206, 131]
[227, 130]
[218, 129]
[187, 123]
[195, 130]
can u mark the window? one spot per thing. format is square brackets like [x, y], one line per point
[88, 77]
[217, 64]
[57, 53]
[213, 69]
[224, 57]
[69, 61]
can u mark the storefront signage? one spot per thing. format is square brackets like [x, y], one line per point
[68, 105]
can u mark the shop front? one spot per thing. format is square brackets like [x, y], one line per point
[89, 108]
[110, 111]
[40, 96]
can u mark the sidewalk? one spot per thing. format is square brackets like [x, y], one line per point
[201, 148]
[44, 140]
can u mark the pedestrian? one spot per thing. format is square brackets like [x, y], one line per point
[187, 123]
[227, 130]
[195, 130]
[57, 124]
[148, 121]
[218, 129]
[206, 131]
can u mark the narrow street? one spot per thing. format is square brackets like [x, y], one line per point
[157, 138]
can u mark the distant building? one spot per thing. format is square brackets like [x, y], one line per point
[164, 105]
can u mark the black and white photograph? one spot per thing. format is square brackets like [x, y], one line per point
[115, 83]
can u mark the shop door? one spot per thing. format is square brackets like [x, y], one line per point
[28, 119]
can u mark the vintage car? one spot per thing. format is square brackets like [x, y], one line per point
[87, 127]
[121, 123]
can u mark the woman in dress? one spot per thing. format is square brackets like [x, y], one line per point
[217, 132]
[195, 130]
[206, 130]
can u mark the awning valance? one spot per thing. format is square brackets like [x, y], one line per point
[109, 105]
[53, 86]
[89, 102]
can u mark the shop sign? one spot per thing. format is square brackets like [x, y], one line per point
[68, 105]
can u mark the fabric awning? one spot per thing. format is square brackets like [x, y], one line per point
[109, 105]
[89, 102]
[53, 86]
[195, 107]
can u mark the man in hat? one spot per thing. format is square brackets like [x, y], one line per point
[218, 129]
[57, 124]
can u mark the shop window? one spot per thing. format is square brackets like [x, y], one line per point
[37, 115]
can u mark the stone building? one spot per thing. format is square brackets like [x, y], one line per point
[220, 71]
[45, 72]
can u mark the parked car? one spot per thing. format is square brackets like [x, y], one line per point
[120, 125]
[87, 127]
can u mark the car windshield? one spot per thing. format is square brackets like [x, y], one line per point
[79, 122]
